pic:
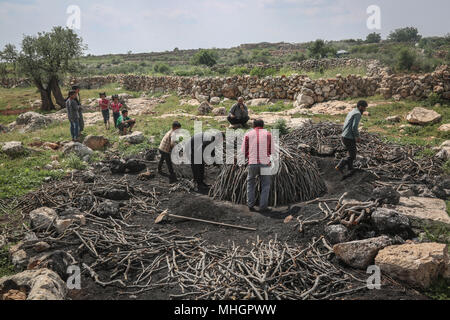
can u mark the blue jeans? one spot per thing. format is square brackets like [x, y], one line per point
[74, 129]
[254, 170]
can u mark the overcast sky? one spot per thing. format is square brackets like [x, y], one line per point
[110, 26]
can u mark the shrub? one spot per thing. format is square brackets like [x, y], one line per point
[409, 34]
[406, 59]
[433, 99]
[74, 162]
[205, 57]
[282, 127]
[239, 71]
[263, 72]
[373, 38]
[161, 68]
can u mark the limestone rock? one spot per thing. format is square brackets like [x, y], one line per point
[360, 254]
[204, 108]
[422, 211]
[14, 149]
[445, 127]
[44, 284]
[387, 194]
[422, 116]
[215, 101]
[77, 148]
[31, 121]
[394, 119]
[417, 264]
[304, 100]
[258, 102]
[108, 209]
[219, 112]
[42, 218]
[133, 138]
[96, 142]
[230, 91]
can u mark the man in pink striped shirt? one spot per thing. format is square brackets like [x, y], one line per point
[257, 148]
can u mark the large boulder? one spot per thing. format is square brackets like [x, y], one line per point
[215, 101]
[258, 102]
[390, 222]
[31, 121]
[445, 127]
[42, 218]
[304, 100]
[230, 91]
[422, 116]
[424, 211]
[77, 148]
[41, 284]
[133, 138]
[14, 149]
[204, 108]
[96, 142]
[417, 264]
[361, 254]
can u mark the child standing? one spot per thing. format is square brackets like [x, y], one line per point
[104, 107]
[115, 107]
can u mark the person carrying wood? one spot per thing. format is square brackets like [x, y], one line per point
[257, 147]
[351, 136]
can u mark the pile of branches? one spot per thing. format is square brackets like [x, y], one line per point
[382, 158]
[297, 180]
[138, 261]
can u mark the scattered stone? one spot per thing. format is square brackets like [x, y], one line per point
[133, 138]
[14, 295]
[304, 100]
[215, 101]
[41, 247]
[146, 176]
[77, 148]
[14, 149]
[118, 166]
[422, 116]
[151, 155]
[445, 127]
[416, 264]
[394, 119]
[43, 284]
[31, 121]
[88, 177]
[387, 194]
[336, 234]
[219, 112]
[360, 254]
[204, 108]
[424, 211]
[258, 102]
[96, 142]
[19, 257]
[326, 151]
[390, 222]
[42, 218]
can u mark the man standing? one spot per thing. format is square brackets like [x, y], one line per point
[165, 149]
[197, 146]
[350, 136]
[73, 115]
[80, 111]
[257, 148]
[238, 115]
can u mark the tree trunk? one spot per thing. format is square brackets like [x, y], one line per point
[46, 97]
[54, 85]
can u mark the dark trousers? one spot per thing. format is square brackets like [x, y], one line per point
[116, 116]
[165, 157]
[198, 171]
[350, 145]
[234, 121]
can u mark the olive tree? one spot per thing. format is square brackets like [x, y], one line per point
[46, 58]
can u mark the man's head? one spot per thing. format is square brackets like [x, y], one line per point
[259, 123]
[176, 125]
[125, 113]
[76, 89]
[72, 94]
[115, 98]
[362, 106]
[241, 100]
[103, 95]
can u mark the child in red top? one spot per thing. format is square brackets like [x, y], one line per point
[104, 107]
[115, 107]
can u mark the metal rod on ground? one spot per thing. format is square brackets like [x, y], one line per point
[165, 214]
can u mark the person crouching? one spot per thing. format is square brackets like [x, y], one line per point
[125, 124]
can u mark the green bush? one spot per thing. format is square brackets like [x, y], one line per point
[205, 57]
[433, 99]
[409, 34]
[263, 72]
[161, 68]
[74, 162]
[239, 71]
[406, 59]
[373, 38]
[281, 125]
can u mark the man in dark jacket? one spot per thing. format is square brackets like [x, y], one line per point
[197, 145]
[351, 136]
[80, 111]
[73, 115]
[238, 114]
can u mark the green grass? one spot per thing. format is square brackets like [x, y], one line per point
[440, 290]
[6, 268]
